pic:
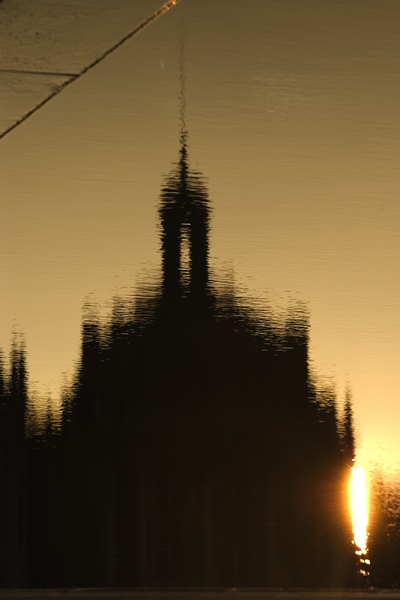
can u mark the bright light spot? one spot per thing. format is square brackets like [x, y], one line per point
[359, 508]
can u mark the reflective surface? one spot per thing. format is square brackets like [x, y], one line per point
[293, 118]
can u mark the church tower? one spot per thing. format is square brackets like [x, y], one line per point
[185, 224]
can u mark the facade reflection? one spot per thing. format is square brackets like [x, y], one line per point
[194, 448]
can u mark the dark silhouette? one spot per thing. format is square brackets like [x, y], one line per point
[348, 441]
[195, 449]
[13, 398]
[384, 538]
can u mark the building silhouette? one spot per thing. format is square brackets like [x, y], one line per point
[185, 220]
[194, 450]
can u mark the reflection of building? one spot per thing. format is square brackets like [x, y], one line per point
[193, 451]
[201, 430]
[184, 216]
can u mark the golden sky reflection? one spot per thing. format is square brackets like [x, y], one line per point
[293, 117]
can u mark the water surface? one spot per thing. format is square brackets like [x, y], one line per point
[293, 119]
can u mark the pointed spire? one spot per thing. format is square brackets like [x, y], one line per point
[184, 214]
[182, 93]
[18, 380]
[348, 436]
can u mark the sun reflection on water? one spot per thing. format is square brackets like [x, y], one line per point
[359, 514]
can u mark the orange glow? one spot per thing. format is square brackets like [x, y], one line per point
[359, 508]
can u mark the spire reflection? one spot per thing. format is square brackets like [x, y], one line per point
[195, 449]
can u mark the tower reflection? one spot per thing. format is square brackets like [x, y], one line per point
[184, 216]
[194, 450]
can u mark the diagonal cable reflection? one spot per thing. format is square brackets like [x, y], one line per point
[164, 8]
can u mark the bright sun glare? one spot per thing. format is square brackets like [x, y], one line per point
[359, 508]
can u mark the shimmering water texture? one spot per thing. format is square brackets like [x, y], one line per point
[194, 449]
[195, 446]
[359, 507]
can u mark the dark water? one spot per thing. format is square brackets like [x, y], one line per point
[194, 444]
[209, 594]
